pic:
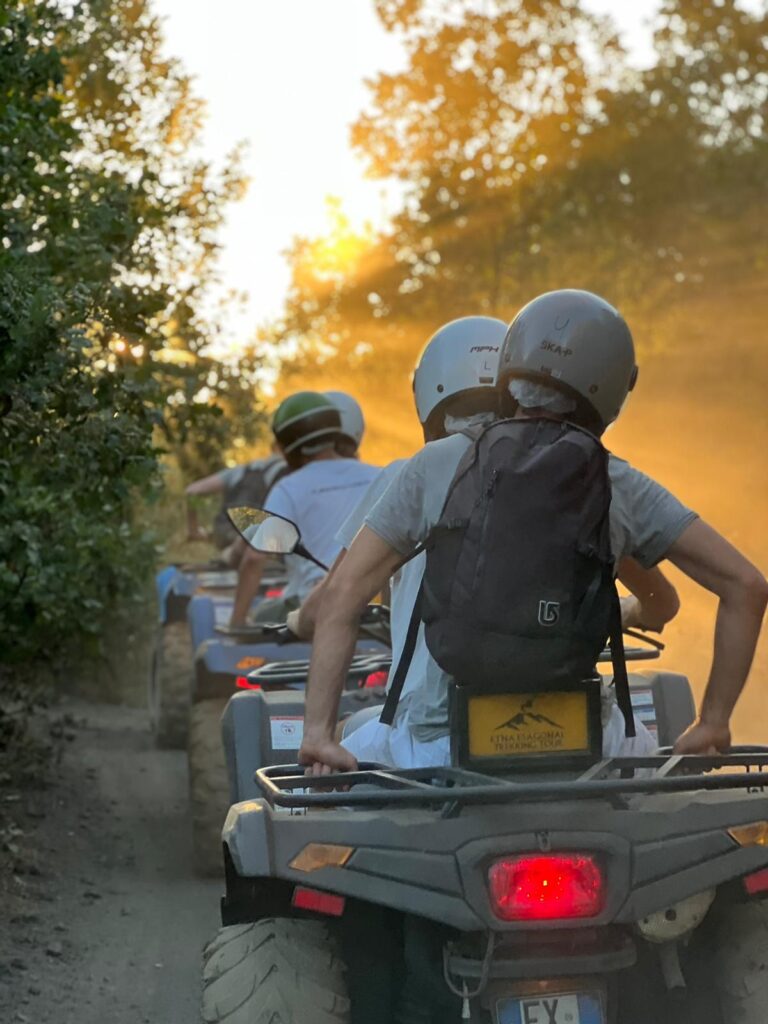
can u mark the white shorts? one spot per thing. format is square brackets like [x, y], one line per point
[395, 745]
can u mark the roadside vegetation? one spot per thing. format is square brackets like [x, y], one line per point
[108, 240]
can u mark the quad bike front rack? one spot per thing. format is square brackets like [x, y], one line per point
[616, 778]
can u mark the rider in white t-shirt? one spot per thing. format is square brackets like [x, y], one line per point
[314, 434]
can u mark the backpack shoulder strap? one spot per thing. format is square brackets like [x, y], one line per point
[398, 679]
[620, 678]
[401, 671]
[274, 469]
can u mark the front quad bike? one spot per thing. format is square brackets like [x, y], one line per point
[179, 589]
[620, 894]
[222, 668]
[171, 666]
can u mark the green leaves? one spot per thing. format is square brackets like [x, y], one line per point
[102, 214]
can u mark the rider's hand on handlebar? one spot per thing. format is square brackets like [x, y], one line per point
[292, 623]
[326, 757]
[704, 738]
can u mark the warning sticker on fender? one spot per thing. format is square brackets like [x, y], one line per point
[287, 733]
[222, 612]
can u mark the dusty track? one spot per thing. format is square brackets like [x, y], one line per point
[109, 926]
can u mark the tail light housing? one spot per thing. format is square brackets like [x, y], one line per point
[244, 683]
[273, 592]
[756, 884]
[547, 887]
[375, 679]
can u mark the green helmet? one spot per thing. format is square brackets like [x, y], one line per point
[306, 421]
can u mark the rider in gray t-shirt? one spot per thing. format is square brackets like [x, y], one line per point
[575, 344]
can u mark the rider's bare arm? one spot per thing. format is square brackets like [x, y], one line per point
[248, 581]
[302, 620]
[363, 572]
[213, 484]
[701, 553]
[653, 601]
[234, 553]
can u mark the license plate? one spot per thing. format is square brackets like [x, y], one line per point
[515, 724]
[555, 1008]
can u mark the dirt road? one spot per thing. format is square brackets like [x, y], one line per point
[106, 922]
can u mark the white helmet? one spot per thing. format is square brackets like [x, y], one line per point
[352, 422]
[460, 361]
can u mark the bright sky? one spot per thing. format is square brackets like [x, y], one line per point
[287, 76]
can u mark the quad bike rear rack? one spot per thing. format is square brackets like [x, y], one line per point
[278, 671]
[375, 786]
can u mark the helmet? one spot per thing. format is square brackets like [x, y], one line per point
[456, 372]
[578, 343]
[306, 420]
[352, 422]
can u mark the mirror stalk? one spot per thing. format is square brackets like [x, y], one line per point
[299, 549]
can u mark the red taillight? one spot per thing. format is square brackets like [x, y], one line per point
[320, 902]
[244, 683]
[546, 887]
[274, 592]
[756, 884]
[376, 679]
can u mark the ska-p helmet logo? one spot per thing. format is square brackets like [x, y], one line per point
[558, 350]
[549, 612]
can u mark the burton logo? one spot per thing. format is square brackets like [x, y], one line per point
[549, 612]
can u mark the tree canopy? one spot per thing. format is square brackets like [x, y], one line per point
[534, 155]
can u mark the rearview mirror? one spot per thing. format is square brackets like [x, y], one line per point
[264, 531]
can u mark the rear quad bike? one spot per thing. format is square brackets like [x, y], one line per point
[221, 664]
[179, 588]
[262, 660]
[542, 886]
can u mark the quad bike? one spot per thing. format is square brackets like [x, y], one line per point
[533, 882]
[222, 664]
[188, 596]
[604, 897]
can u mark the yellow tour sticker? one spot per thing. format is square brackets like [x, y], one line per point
[506, 724]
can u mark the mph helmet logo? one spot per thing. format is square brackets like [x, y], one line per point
[549, 612]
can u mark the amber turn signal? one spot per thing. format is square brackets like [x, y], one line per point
[755, 834]
[321, 855]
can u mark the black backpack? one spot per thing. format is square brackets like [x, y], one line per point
[519, 581]
[251, 490]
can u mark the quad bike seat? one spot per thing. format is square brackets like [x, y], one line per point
[353, 723]
[661, 700]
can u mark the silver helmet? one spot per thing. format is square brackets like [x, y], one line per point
[578, 343]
